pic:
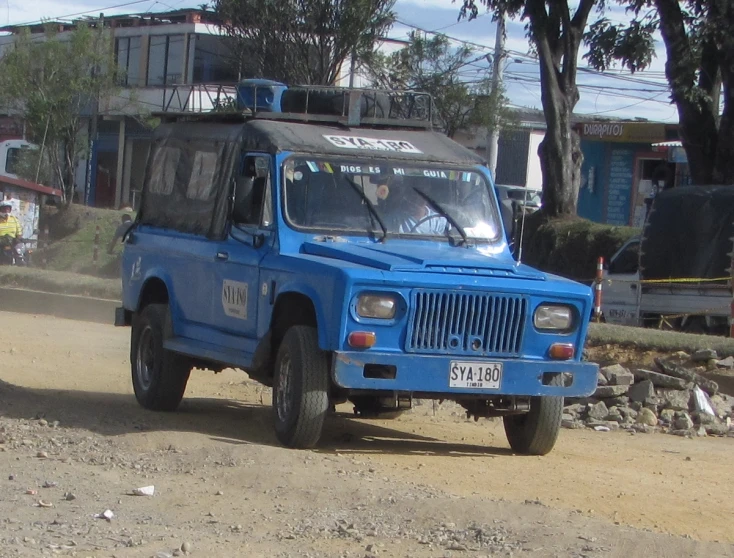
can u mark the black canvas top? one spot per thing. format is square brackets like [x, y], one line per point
[191, 166]
[275, 136]
[688, 233]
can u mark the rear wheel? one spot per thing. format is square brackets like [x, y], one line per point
[300, 388]
[159, 376]
[536, 432]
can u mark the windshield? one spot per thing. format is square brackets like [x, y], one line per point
[363, 196]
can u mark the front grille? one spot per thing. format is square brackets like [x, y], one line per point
[466, 323]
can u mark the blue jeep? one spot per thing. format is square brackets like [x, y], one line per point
[355, 256]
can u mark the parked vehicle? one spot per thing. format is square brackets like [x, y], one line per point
[351, 256]
[514, 202]
[13, 251]
[677, 274]
[10, 151]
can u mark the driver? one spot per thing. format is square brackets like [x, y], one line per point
[9, 224]
[413, 214]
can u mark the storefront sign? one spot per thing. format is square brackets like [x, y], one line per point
[628, 132]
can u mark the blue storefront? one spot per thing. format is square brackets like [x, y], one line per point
[622, 169]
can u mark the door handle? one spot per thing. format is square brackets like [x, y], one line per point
[222, 256]
[633, 286]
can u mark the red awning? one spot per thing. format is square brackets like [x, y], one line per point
[40, 188]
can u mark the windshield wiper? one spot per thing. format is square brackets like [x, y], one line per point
[370, 206]
[437, 207]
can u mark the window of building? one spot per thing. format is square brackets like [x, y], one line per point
[166, 59]
[213, 60]
[128, 60]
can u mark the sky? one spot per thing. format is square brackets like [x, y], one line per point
[614, 94]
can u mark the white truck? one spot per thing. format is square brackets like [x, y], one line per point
[10, 151]
[677, 274]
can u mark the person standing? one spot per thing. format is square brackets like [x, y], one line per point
[9, 224]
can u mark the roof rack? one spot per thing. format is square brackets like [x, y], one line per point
[270, 100]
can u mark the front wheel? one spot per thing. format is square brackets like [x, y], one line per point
[300, 388]
[159, 376]
[536, 432]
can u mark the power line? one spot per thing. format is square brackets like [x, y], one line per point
[534, 59]
[95, 10]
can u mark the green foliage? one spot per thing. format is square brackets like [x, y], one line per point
[570, 246]
[72, 230]
[35, 166]
[304, 42]
[433, 65]
[699, 45]
[51, 83]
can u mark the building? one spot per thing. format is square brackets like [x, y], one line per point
[173, 61]
[178, 60]
[159, 54]
[624, 164]
[518, 163]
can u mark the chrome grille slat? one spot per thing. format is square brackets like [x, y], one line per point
[496, 321]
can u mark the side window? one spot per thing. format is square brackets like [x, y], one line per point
[201, 181]
[627, 260]
[11, 164]
[252, 196]
[163, 172]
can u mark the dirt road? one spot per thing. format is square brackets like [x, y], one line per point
[427, 484]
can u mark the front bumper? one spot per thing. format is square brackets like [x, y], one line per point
[430, 374]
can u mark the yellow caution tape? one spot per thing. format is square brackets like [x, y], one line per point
[665, 281]
[685, 280]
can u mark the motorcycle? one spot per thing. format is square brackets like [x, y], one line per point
[13, 251]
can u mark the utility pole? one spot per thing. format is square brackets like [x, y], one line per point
[497, 69]
[93, 127]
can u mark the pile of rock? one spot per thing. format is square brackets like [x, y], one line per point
[675, 398]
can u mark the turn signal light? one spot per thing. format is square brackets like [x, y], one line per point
[362, 339]
[561, 351]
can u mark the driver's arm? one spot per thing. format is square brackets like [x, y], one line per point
[18, 230]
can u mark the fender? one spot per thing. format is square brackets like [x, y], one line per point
[325, 337]
[158, 273]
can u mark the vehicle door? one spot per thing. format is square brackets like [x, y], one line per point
[236, 269]
[621, 286]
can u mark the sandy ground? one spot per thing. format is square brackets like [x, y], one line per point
[427, 484]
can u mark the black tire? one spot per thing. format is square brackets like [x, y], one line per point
[536, 432]
[159, 376]
[300, 388]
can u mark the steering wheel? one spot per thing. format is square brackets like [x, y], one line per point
[425, 220]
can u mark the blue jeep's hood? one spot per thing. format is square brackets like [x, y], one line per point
[395, 256]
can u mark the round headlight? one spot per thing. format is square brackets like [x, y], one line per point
[377, 306]
[554, 318]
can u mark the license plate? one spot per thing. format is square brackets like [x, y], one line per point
[475, 375]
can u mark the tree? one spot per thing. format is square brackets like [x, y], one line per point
[432, 65]
[699, 45]
[556, 32]
[302, 41]
[51, 83]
